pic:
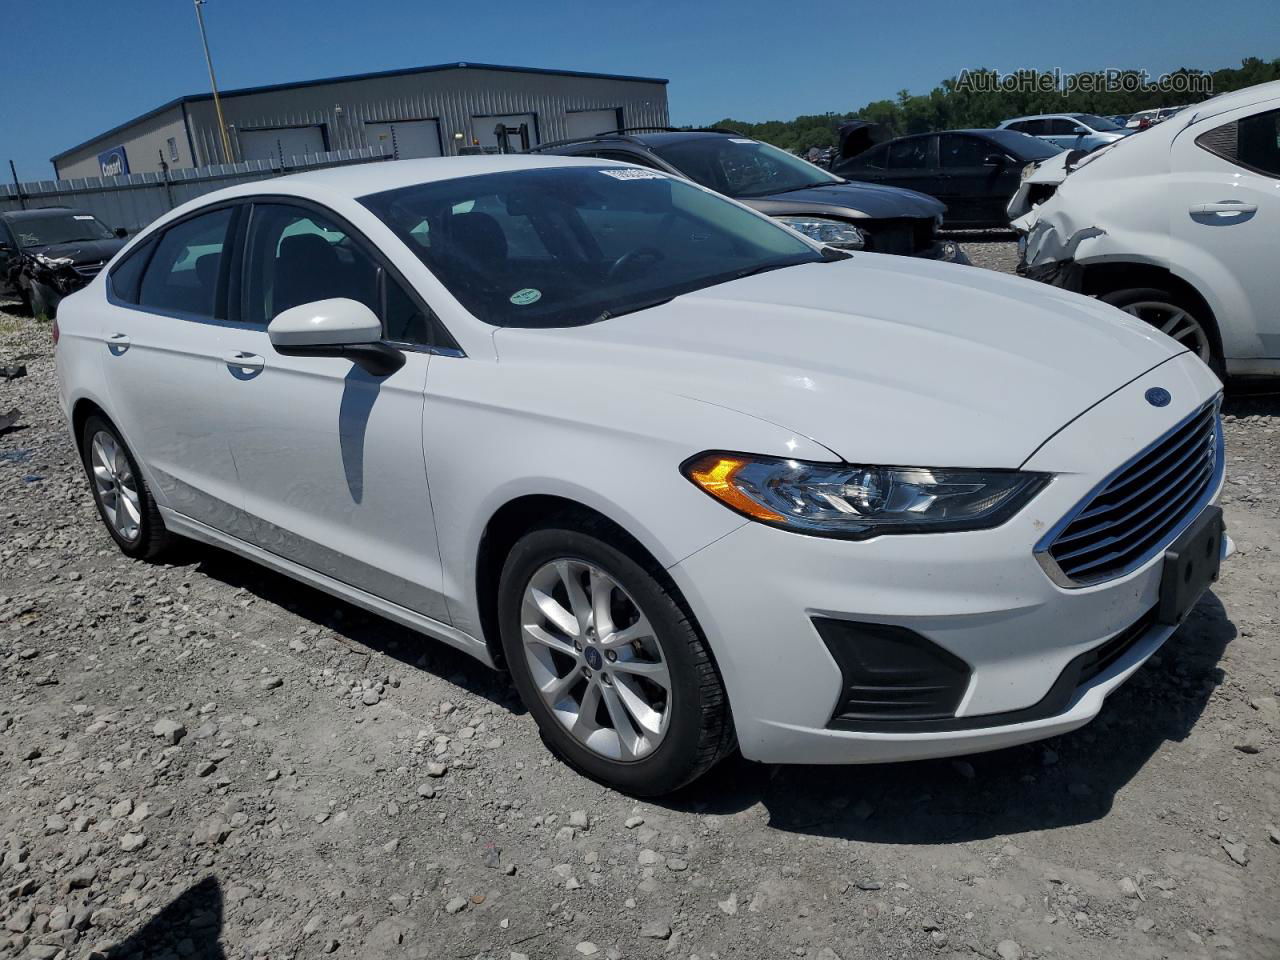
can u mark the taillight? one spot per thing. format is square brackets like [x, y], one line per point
[56, 332]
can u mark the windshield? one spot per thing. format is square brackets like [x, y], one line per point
[1100, 124]
[60, 227]
[563, 246]
[739, 167]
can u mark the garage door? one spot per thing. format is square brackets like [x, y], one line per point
[405, 139]
[482, 129]
[281, 142]
[586, 123]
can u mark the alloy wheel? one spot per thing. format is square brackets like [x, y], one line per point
[116, 485]
[595, 660]
[1176, 322]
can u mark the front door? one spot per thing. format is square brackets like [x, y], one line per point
[1224, 207]
[164, 336]
[330, 456]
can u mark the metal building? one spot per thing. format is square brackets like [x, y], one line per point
[420, 112]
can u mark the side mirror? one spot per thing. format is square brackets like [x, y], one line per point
[121, 232]
[993, 160]
[338, 327]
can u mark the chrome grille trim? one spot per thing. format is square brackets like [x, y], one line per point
[1141, 508]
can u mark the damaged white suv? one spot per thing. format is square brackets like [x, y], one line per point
[1177, 226]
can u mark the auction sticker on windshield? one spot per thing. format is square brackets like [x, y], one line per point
[634, 174]
[526, 296]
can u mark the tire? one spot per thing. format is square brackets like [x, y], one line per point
[697, 729]
[1177, 316]
[130, 514]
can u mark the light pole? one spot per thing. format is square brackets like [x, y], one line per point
[217, 103]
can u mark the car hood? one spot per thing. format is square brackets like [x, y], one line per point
[852, 200]
[880, 359]
[79, 251]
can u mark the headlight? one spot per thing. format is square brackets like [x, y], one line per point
[856, 502]
[834, 233]
[53, 261]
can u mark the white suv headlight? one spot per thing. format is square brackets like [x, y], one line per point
[834, 233]
[855, 502]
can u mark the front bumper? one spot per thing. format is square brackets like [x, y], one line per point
[980, 596]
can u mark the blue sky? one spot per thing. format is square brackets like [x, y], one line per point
[92, 65]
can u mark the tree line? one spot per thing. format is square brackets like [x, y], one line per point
[968, 101]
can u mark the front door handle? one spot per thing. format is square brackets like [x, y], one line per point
[240, 360]
[1225, 206]
[118, 343]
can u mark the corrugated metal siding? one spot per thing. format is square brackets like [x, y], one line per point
[134, 201]
[451, 97]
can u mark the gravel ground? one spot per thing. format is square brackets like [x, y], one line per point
[203, 759]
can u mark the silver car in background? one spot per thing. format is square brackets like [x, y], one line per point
[1070, 131]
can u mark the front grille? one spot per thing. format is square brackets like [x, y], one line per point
[1142, 507]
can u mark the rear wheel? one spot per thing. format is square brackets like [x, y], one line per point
[1176, 317]
[611, 667]
[120, 492]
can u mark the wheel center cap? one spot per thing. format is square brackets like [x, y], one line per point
[593, 658]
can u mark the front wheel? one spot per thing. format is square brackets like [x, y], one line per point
[609, 664]
[1175, 317]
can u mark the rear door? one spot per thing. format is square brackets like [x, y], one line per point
[330, 456]
[166, 332]
[913, 163]
[1224, 206]
[975, 191]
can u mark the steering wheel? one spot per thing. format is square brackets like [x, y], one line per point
[646, 254]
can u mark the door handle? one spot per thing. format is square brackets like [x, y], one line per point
[1225, 206]
[240, 360]
[118, 343]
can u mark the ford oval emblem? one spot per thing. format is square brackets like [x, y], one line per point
[1158, 397]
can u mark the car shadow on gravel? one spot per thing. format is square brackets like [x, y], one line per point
[187, 927]
[1064, 781]
[352, 624]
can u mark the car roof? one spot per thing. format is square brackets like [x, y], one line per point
[1046, 116]
[361, 179]
[642, 138]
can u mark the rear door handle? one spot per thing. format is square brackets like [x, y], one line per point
[118, 343]
[1225, 206]
[240, 360]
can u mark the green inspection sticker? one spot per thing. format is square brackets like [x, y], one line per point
[526, 296]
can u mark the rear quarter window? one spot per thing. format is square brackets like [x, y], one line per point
[126, 276]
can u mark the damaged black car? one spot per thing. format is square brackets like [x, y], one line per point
[48, 253]
[826, 208]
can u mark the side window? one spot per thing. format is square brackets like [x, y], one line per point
[911, 154]
[957, 150]
[126, 276]
[1061, 127]
[184, 271]
[1253, 143]
[294, 256]
[1035, 128]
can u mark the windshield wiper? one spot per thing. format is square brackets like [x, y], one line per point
[610, 314]
[810, 186]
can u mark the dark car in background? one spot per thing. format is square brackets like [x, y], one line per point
[973, 172]
[824, 207]
[50, 252]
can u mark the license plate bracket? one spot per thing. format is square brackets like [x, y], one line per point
[1191, 563]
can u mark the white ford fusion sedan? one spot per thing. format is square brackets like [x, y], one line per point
[692, 479]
